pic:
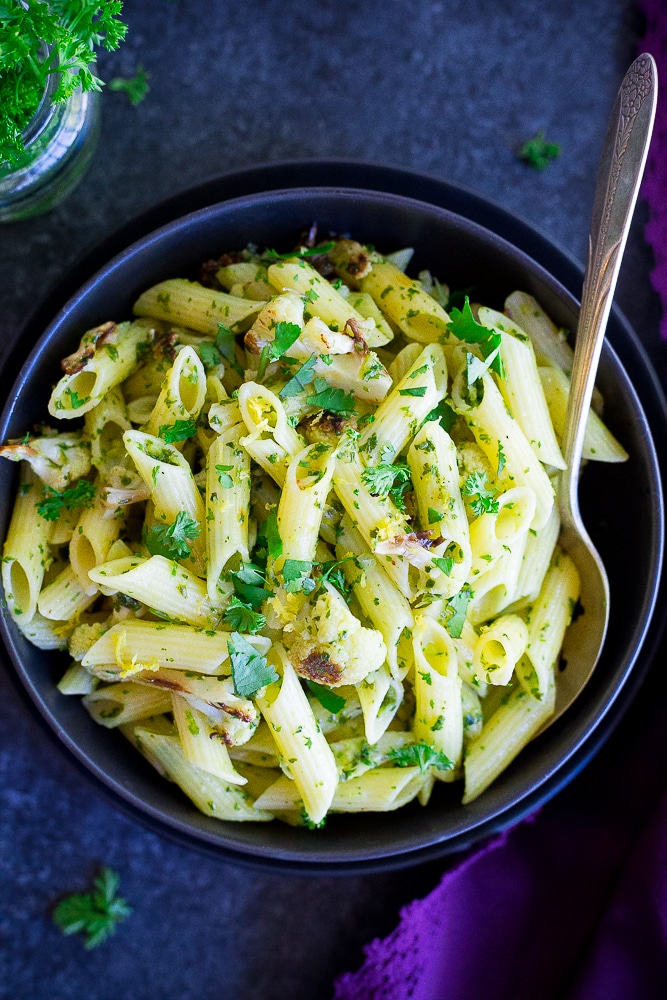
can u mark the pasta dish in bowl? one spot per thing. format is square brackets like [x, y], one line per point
[289, 525]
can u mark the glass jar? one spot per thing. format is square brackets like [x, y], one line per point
[59, 140]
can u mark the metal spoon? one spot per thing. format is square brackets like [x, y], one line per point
[619, 176]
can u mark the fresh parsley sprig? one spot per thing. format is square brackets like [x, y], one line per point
[285, 334]
[136, 87]
[537, 152]
[463, 325]
[96, 913]
[243, 617]
[41, 39]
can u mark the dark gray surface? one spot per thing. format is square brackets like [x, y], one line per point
[449, 88]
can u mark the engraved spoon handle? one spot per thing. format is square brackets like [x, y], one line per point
[619, 175]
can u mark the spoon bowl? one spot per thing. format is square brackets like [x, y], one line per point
[619, 175]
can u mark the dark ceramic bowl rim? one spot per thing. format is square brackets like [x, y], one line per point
[381, 857]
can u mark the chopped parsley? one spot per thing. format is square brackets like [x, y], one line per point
[249, 585]
[456, 609]
[242, 617]
[136, 87]
[224, 477]
[388, 480]
[537, 152]
[274, 543]
[301, 252]
[444, 414]
[327, 698]
[417, 390]
[95, 913]
[480, 496]
[55, 501]
[421, 755]
[180, 430]
[331, 398]
[250, 670]
[463, 325]
[285, 335]
[301, 379]
[173, 540]
[444, 563]
[296, 576]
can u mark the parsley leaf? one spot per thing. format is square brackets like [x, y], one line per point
[387, 480]
[456, 610]
[180, 430]
[302, 378]
[81, 495]
[249, 586]
[475, 367]
[94, 913]
[173, 540]
[301, 252]
[274, 543]
[285, 335]
[296, 576]
[212, 354]
[537, 152]
[331, 398]
[327, 698]
[421, 754]
[501, 458]
[434, 516]
[417, 390]
[224, 477]
[463, 325]
[250, 670]
[444, 413]
[241, 616]
[136, 87]
[444, 563]
[481, 498]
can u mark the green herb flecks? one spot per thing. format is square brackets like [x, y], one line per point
[388, 480]
[456, 610]
[180, 430]
[331, 398]
[249, 585]
[301, 379]
[420, 755]
[327, 698]
[285, 335]
[56, 501]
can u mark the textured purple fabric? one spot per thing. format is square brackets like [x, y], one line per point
[654, 186]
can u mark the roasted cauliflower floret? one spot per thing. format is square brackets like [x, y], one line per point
[334, 648]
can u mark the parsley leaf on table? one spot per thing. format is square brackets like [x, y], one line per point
[56, 501]
[537, 152]
[136, 87]
[173, 540]
[250, 670]
[94, 913]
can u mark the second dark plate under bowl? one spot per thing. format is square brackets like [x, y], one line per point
[465, 255]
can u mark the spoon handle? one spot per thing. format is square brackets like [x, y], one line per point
[619, 175]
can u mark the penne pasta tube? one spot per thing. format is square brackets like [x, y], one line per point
[438, 719]
[499, 648]
[25, 554]
[227, 505]
[521, 387]
[161, 584]
[405, 304]
[600, 445]
[201, 742]
[105, 358]
[181, 397]
[270, 440]
[190, 304]
[304, 752]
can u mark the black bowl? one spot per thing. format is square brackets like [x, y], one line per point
[622, 507]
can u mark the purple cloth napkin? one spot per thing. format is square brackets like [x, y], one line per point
[654, 186]
[572, 904]
[569, 905]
